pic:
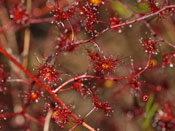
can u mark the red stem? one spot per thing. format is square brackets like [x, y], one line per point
[83, 119]
[146, 67]
[33, 119]
[39, 83]
[105, 78]
[9, 115]
[126, 23]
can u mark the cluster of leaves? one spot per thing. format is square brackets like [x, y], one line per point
[101, 63]
[64, 42]
[164, 118]
[87, 10]
[102, 105]
[19, 14]
[48, 74]
[150, 46]
[168, 59]
[99, 104]
[60, 116]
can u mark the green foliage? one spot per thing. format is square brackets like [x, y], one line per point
[120, 9]
[142, 7]
[150, 111]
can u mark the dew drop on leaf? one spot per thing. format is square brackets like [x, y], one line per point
[130, 26]
[171, 65]
[119, 31]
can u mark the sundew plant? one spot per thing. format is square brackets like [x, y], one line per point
[87, 65]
